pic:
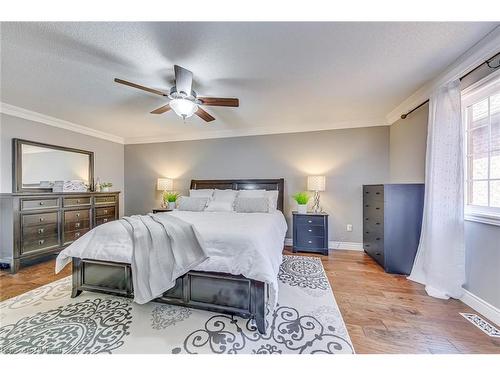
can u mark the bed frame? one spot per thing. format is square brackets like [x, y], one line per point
[218, 292]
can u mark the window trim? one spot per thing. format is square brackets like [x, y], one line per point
[471, 95]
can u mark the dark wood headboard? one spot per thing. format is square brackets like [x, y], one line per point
[247, 184]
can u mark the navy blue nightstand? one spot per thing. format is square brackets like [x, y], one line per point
[310, 232]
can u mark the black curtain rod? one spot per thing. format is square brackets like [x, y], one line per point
[487, 62]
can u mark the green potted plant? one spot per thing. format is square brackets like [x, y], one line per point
[105, 186]
[169, 199]
[301, 198]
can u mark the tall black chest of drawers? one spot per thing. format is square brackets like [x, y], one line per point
[310, 232]
[392, 221]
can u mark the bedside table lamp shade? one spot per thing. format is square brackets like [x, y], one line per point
[316, 184]
[165, 184]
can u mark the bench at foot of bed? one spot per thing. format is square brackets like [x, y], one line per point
[218, 292]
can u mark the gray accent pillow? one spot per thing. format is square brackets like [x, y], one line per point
[249, 205]
[191, 204]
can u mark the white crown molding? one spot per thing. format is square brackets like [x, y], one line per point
[476, 55]
[254, 132]
[481, 306]
[26, 114]
[336, 245]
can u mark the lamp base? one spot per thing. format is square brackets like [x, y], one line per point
[316, 207]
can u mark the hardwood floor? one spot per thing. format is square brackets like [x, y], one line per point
[383, 313]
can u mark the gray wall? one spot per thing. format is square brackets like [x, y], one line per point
[349, 158]
[108, 156]
[482, 255]
[407, 147]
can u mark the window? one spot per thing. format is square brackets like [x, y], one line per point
[481, 118]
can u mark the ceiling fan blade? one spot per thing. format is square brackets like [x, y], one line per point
[221, 102]
[163, 109]
[183, 79]
[135, 85]
[204, 115]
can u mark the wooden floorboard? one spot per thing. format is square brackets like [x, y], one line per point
[383, 313]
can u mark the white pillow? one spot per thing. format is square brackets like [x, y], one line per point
[250, 205]
[225, 195]
[201, 193]
[251, 193]
[271, 195]
[219, 206]
[191, 204]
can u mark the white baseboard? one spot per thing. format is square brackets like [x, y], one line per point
[481, 306]
[336, 245]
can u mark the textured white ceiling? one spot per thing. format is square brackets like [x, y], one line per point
[288, 76]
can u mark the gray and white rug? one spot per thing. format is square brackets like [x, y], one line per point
[47, 320]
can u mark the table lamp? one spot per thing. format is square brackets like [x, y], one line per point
[316, 184]
[164, 184]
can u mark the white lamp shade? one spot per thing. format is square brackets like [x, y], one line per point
[316, 183]
[165, 184]
[183, 107]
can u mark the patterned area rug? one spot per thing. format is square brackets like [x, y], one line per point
[47, 320]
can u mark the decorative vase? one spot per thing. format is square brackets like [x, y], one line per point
[302, 208]
[105, 189]
[171, 205]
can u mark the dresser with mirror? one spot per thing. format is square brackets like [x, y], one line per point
[35, 221]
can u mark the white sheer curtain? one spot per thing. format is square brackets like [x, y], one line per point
[440, 260]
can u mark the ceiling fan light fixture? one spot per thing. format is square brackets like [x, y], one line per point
[183, 107]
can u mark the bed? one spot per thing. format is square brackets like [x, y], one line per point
[244, 294]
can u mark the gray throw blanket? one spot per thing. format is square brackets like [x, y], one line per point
[165, 247]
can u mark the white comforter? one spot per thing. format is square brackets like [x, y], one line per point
[248, 244]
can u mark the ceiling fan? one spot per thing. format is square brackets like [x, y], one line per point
[183, 99]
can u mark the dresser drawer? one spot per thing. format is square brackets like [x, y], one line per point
[37, 219]
[308, 220]
[373, 192]
[310, 230]
[77, 225]
[70, 236]
[105, 211]
[38, 204]
[76, 216]
[107, 199]
[76, 201]
[103, 220]
[310, 242]
[39, 231]
[31, 245]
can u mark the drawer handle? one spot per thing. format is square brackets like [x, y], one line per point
[367, 232]
[105, 220]
[41, 203]
[367, 205]
[377, 208]
[367, 245]
[78, 201]
[40, 242]
[78, 214]
[77, 225]
[77, 234]
[41, 219]
[41, 230]
[378, 193]
[309, 230]
[310, 241]
[377, 223]
[105, 211]
[377, 253]
[309, 221]
[378, 238]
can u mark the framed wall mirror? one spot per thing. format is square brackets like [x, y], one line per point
[37, 166]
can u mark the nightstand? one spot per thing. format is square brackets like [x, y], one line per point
[310, 232]
[157, 210]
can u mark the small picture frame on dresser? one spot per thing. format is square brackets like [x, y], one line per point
[310, 232]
